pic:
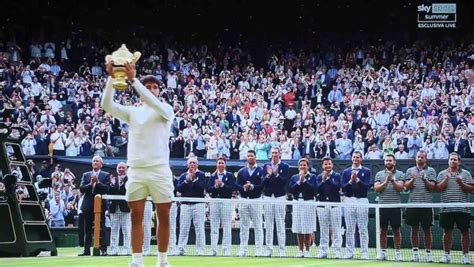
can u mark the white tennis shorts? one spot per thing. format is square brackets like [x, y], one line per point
[155, 181]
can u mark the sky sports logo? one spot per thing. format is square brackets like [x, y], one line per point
[437, 16]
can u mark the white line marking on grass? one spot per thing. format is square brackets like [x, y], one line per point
[339, 262]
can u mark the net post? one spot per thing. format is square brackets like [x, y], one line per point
[377, 230]
[97, 222]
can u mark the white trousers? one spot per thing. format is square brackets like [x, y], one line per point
[221, 214]
[196, 213]
[173, 215]
[360, 217]
[251, 212]
[147, 216]
[330, 217]
[274, 212]
[120, 221]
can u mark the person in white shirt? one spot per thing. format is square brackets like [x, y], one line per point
[45, 67]
[285, 147]
[359, 144]
[244, 85]
[148, 157]
[172, 80]
[28, 145]
[56, 215]
[415, 142]
[72, 145]
[470, 126]
[401, 153]
[374, 153]
[211, 146]
[189, 130]
[54, 103]
[244, 147]
[35, 50]
[96, 70]
[344, 147]
[440, 150]
[47, 119]
[382, 118]
[35, 88]
[428, 92]
[58, 138]
[290, 114]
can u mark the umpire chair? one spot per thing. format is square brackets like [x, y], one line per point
[24, 231]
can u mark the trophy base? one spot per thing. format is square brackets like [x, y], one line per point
[120, 85]
[120, 78]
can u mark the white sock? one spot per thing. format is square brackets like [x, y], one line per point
[137, 258]
[162, 257]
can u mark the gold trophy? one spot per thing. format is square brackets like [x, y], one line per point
[119, 58]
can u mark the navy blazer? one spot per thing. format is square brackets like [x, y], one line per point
[230, 118]
[275, 184]
[234, 150]
[256, 179]
[359, 189]
[463, 144]
[306, 190]
[192, 189]
[329, 190]
[101, 187]
[302, 147]
[224, 191]
[321, 149]
[118, 190]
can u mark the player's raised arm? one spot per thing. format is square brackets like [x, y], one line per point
[165, 110]
[108, 102]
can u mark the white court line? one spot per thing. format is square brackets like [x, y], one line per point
[335, 262]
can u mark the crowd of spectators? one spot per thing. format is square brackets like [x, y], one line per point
[377, 99]
[60, 199]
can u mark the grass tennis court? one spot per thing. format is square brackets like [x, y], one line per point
[68, 257]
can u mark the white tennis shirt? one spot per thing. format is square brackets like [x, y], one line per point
[149, 125]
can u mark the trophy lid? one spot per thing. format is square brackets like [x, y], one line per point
[123, 55]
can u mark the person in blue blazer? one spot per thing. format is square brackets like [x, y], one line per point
[221, 185]
[328, 185]
[93, 183]
[192, 183]
[355, 184]
[119, 212]
[303, 187]
[249, 185]
[275, 184]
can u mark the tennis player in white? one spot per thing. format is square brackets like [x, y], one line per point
[148, 158]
